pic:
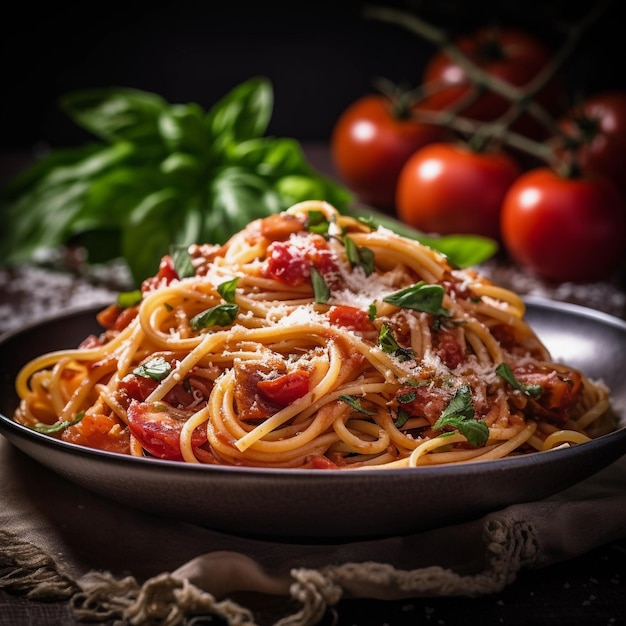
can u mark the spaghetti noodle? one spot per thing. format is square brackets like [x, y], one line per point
[313, 340]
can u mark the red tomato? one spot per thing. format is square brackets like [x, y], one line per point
[351, 317]
[101, 432]
[115, 317]
[559, 390]
[446, 188]
[508, 54]
[285, 389]
[164, 276]
[158, 431]
[598, 126]
[370, 143]
[564, 229]
[290, 261]
[319, 461]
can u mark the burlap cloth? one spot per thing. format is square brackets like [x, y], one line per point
[112, 563]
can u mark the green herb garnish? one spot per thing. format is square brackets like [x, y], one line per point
[359, 256]
[420, 297]
[461, 250]
[126, 299]
[316, 222]
[220, 315]
[227, 289]
[355, 404]
[47, 429]
[156, 368]
[503, 370]
[182, 261]
[406, 397]
[321, 290]
[389, 345]
[459, 414]
[402, 419]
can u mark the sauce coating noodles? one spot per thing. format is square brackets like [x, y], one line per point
[313, 340]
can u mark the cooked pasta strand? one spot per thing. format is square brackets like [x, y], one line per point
[312, 340]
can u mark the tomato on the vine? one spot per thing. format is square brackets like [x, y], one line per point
[564, 229]
[371, 141]
[596, 131]
[508, 54]
[448, 188]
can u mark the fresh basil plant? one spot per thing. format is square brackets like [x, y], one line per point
[162, 175]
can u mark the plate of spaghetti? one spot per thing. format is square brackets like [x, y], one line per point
[318, 375]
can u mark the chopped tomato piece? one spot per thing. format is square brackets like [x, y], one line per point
[280, 226]
[103, 432]
[559, 390]
[350, 317]
[92, 341]
[505, 336]
[319, 461]
[184, 395]
[290, 261]
[106, 318]
[138, 387]
[422, 401]
[449, 348]
[285, 389]
[166, 274]
[250, 404]
[158, 430]
[115, 317]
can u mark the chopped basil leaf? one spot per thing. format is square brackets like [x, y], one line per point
[461, 250]
[460, 406]
[389, 345]
[182, 261]
[459, 414]
[475, 431]
[371, 311]
[403, 418]
[386, 340]
[227, 289]
[317, 223]
[359, 256]
[320, 288]
[220, 315]
[47, 429]
[354, 403]
[129, 298]
[156, 368]
[503, 370]
[368, 220]
[405, 398]
[404, 354]
[420, 297]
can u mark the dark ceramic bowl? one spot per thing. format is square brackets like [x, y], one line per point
[330, 503]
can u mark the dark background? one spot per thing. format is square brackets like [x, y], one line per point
[319, 56]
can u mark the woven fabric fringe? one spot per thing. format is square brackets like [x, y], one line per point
[510, 546]
[26, 570]
[162, 600]
[168, 600]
